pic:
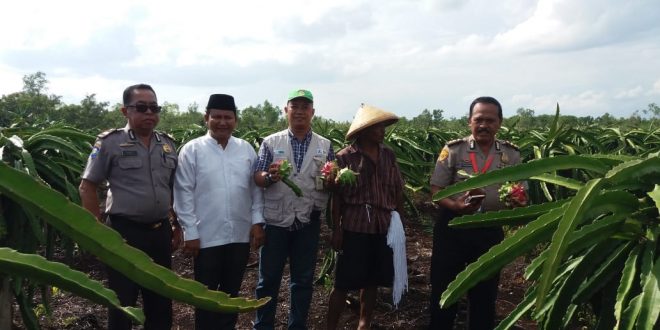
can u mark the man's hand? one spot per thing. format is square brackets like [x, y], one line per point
[257, 236]
[177, 237]
[337, 240]
[177, 232]
[274, 171]
[515, 202]
[460, 207]
[191, 247]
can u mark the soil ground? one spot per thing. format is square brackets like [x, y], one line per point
[71, 312]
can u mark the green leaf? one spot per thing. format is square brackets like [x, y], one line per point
[564, 271]
[610, 267]
[25, 307]
[524, 171]
[574, 215]
[650, 299]
[38, 269]
[631, 313]
[626, 283]
[77, 223]
[559, 180]
[498, 256]
[634, 170]
[35, 225]
[655, 196]
[49, 142]
[66, 132]
[523, 307]
[512, 217]
[587, 236]
[29, 163]
[587, 263]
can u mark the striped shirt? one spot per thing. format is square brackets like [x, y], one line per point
[368, 204]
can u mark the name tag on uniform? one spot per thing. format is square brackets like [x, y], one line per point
[129, 153]
[278, 152]
[320, 151]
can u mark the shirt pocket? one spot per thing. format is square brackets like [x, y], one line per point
[128, 163]
[241, 173]
[317, 163]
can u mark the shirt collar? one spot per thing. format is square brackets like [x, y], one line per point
[496, 147]
[307, 138]
[213, 140]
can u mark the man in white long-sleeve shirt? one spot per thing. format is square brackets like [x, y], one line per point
[219, 206]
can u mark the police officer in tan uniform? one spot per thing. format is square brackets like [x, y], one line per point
[453, 249]
[138, 164]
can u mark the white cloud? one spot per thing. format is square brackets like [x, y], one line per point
[560, 25]
[656, 88]
[630, 93]
[591, 56]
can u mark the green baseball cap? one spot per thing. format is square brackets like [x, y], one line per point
[300, 93]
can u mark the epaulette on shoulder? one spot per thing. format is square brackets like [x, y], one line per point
[510, 144]
[165, 135]
[108, 133]
[454, 142]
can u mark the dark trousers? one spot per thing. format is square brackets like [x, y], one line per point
[220, 268]
[453, 250]
[300, 247]
[155, 242]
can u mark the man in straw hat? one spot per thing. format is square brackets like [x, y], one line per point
[453, 249]
[219, 206]
[292, 223]
[363, 215]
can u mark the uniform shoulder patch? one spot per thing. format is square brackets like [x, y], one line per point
[166, 135]
[454, 142]
[444, 153]
[107, 133]
[510, 144]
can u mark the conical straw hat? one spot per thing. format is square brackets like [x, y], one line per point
[368, 115]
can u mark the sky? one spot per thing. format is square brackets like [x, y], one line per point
[590, 56]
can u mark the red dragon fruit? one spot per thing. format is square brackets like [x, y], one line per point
[511, 192]
[329, 168]
[344, 176]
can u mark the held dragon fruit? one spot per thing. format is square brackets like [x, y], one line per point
[284, 172]
[513, 191]
[329, 168]
[344, 176]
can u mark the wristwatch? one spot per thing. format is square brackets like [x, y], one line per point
[268, 180]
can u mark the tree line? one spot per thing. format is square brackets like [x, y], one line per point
[33, 106]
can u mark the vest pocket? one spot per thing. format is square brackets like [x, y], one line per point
[273, 206]
[320, 200]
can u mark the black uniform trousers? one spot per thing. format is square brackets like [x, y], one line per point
[220, 268]
[156, 241]
[453, 250]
